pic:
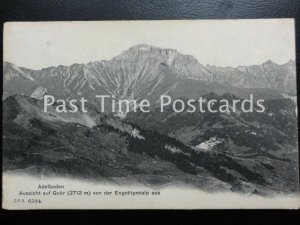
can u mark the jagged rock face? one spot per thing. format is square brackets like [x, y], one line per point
[145, 72]
[17, 81]
[267, 75]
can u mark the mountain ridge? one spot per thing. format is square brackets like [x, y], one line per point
[142, 64]
[146, 46]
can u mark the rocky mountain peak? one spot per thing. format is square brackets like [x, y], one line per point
[141, 71]
[269, 63]
[291, 62]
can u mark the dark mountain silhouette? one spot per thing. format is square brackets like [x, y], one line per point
[46, 144]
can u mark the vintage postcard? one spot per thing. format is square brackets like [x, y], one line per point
[182, 114]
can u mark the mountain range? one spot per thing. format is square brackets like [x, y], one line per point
[145, 71]
[245, 152]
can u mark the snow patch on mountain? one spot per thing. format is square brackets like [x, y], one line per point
[136, 134]
[88, 120]
[119, 125]
[173, 149]
[39, 93]
[208, 145]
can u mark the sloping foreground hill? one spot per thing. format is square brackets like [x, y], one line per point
[263, 142]
[115, 151]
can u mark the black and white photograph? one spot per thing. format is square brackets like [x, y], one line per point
[183, 114]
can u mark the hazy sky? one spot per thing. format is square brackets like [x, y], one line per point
[216, 42]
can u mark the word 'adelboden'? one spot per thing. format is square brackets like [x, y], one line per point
[178, 105]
